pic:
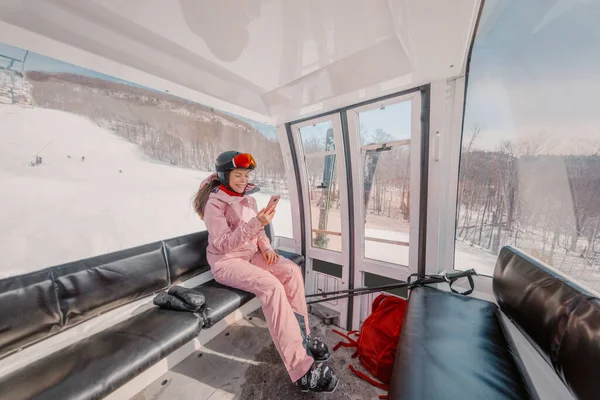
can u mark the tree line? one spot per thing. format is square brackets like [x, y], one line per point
[386, 175]
[518, 194]
[167, 128]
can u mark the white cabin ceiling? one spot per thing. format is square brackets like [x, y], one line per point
[270, 60]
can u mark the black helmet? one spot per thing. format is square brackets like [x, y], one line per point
[230, 160]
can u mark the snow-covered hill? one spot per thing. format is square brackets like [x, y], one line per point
[67, 209]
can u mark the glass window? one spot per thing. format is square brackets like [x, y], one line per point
[317, 138]
[324, 195]
[385, 156]
[530, 164]
[271, 177]
[324, 192]
[91, 164]
[386, 124]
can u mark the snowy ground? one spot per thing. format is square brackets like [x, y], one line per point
[472, 256]
[379, 227]
[529, 240]
[467, 257]
[66, 209]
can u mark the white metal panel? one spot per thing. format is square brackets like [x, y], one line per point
[415, 181]
[452, 148]
[435, 170]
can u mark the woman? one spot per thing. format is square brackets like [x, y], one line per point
[241, 256]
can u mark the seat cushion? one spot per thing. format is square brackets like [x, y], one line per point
[186, 256]
[221, 301]
[560, 318]
[95, 285]
[29, 310]
[99, 364]
[453, 347]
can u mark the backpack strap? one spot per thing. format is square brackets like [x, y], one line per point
[351, 342]
[368, 379]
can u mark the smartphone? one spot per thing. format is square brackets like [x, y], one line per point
[272, 202]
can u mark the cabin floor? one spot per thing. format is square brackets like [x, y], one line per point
[242, 363]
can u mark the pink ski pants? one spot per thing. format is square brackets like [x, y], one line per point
[280, 289]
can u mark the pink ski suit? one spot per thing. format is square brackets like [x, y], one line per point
[236, 239]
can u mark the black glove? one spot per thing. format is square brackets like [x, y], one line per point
[165, 300]
[193, 298]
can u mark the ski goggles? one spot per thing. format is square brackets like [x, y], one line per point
[242, 160]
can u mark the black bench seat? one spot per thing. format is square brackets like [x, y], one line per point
[99, 364]
[458, 347]
[453, 347]
[221, 301]
[41, 304]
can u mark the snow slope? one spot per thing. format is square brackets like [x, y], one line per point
[66, 209]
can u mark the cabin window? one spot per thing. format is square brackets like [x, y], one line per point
[385, 136]
[318, 145]
[91, 164]
[530, 161]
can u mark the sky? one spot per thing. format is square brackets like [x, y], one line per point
[535, 67]
[38, 62]
[394, 120]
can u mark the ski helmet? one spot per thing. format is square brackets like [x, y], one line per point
[230, 160]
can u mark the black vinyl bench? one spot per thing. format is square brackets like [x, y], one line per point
[458, 347]
[36, 306]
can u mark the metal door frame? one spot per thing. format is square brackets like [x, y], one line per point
[420, 112]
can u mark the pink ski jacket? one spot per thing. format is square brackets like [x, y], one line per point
[234, 231]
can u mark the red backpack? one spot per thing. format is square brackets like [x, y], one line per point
[378, 339]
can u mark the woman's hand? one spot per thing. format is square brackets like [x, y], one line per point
[270, 256]
[265, 216]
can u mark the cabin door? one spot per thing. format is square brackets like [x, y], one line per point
[360, 184]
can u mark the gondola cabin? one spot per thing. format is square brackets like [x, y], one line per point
[408, 140]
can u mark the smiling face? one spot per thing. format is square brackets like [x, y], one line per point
[238, 180]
